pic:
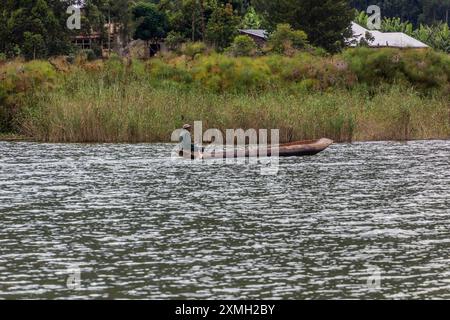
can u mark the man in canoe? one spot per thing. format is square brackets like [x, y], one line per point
[186, 142]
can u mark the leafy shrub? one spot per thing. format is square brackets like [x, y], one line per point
[437, 36]
[365, 41]
[191, 49]
[174, 40]
[285, 40]
[97, 50]
[222, 73]
[243, 45]
[320, 52]
[423, 69]
[375, 66]
[310, 71]
[19, 79]
[426, 69]
[90, 55]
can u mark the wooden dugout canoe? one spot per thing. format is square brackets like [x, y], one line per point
[292, 149]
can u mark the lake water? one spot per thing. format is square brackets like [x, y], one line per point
[366, 220]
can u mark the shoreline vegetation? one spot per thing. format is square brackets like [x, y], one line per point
[360, 94]
[12, 137]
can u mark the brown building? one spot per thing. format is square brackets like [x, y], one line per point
[86, 42]
[258, 35]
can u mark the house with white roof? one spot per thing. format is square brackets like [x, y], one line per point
[383, 39]
[378, 39]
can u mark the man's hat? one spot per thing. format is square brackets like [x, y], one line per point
[187, 126]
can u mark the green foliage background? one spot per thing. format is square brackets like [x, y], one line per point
[37, 28]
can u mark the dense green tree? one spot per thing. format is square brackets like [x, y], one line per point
[252, 20]
[37, 28]
[326, 22]
[242, 46]
[151, 24]
[188, 17]
[28, 24]
[415, 11]
[222, 26]
[240, 6]
[287, 40]
[119, 13]
[98, 13]
[435, 10]
[33, 45]
[92, 17]
[48, 18]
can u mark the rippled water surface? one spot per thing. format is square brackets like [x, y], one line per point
[367, 220]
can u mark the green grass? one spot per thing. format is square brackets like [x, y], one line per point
[360, 95]
[148, 113]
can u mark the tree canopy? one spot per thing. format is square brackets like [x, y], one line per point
[414, 11]
[326, 22]
[222, 27]
[37, 28]
[151, 23]
[33, 28]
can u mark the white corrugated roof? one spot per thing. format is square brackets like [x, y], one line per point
[260, 33]
[385, 39]
[358, 30]
[381, 39]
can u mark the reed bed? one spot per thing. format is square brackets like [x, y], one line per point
[401, 96]
[145, 113]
